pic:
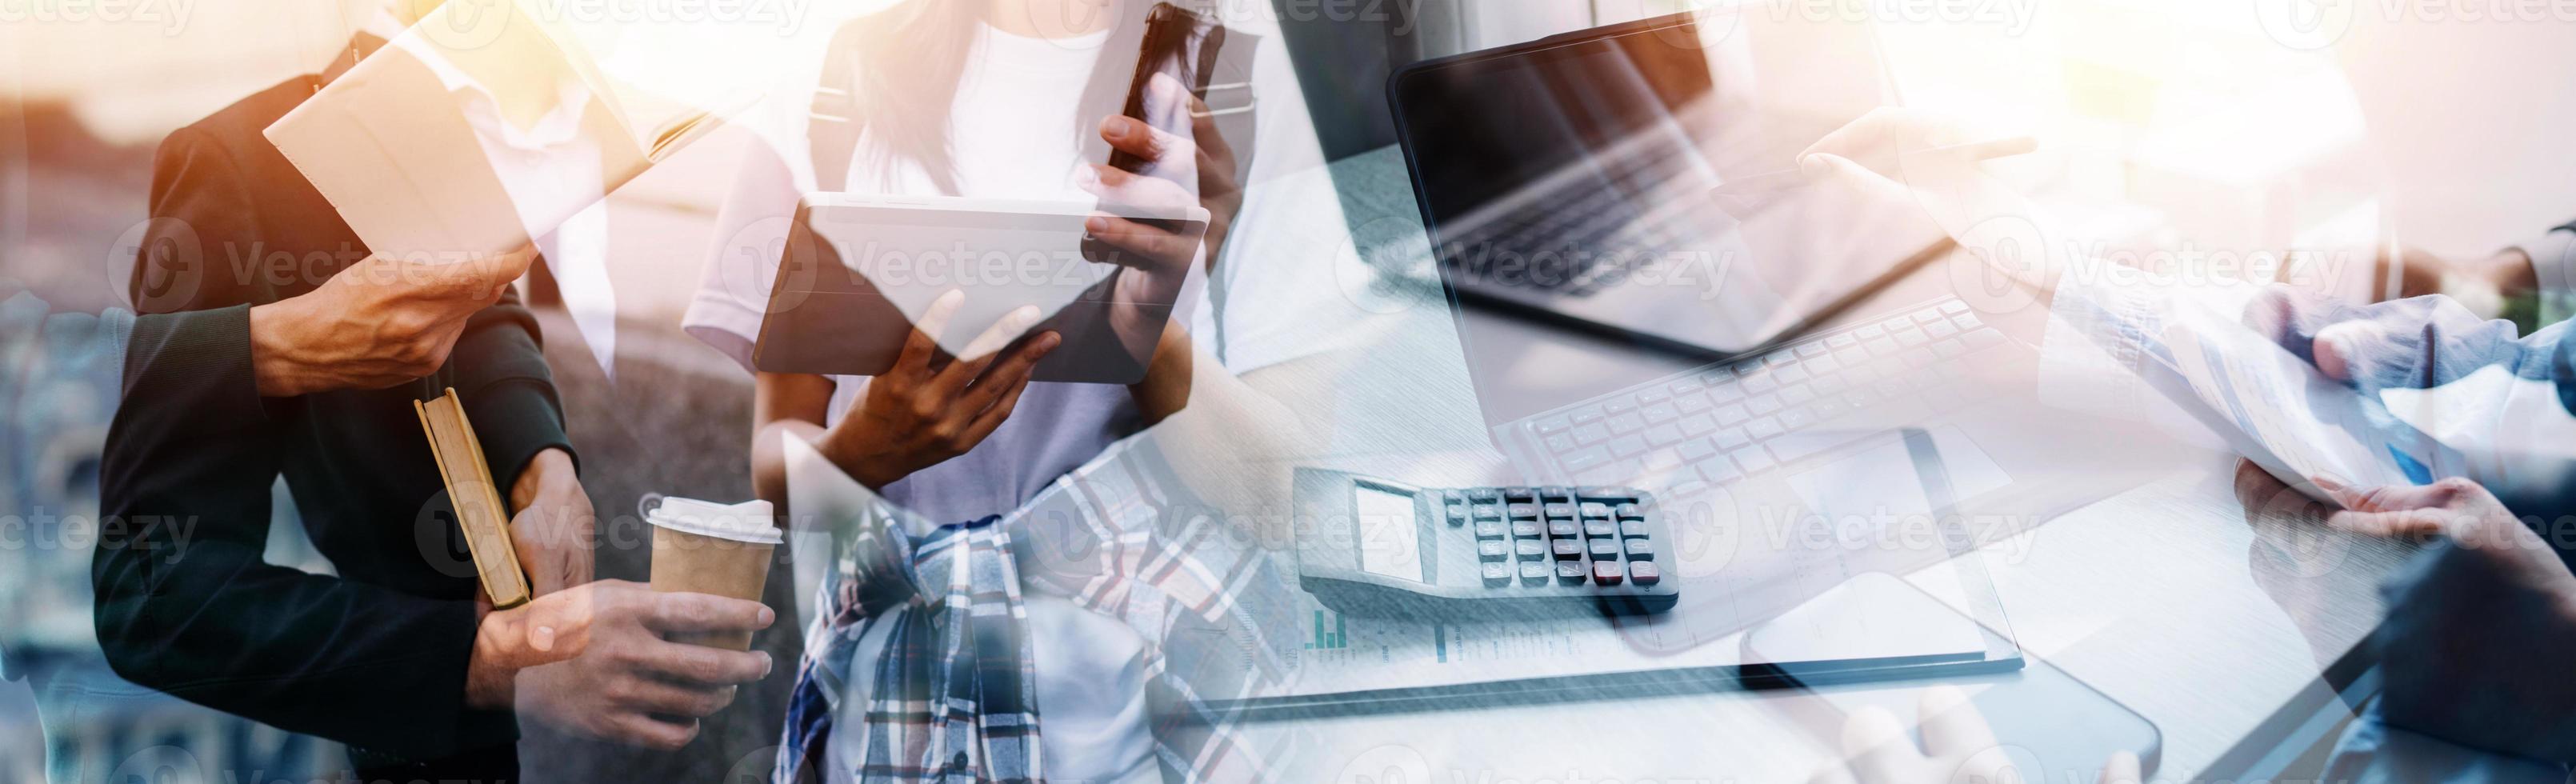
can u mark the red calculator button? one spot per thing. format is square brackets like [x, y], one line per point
[1645, 572]
[1606, 572]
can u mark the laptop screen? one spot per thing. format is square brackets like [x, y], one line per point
[1541, 151]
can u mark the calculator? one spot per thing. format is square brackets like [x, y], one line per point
[1375, 548]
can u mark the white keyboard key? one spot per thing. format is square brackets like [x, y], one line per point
[1731, 438]
[1753, 459]
[1798, 446]
[1718, 470]
[1580, 459]
[1763, 403]
[1698, 425]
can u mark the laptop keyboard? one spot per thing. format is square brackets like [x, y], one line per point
[1596, 240]
[1723, 422]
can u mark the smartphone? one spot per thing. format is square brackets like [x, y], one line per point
[1170, 32]
[2054, 727]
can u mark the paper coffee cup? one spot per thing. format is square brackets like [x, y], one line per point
[710, 548]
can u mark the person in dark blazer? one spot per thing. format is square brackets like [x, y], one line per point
[275, 345]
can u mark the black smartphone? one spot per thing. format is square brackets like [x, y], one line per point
[1180, 42]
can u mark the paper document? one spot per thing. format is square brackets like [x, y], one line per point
[2268, 404]
[391, 146]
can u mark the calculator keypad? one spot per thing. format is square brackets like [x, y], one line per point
[1530, 537]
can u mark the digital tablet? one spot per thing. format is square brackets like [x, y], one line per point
[858, 271]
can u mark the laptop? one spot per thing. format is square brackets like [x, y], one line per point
[1793, 429]
[1577, 179]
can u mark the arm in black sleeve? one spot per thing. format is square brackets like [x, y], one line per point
[499, 371]
[186, 605]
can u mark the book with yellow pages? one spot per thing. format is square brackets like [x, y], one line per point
[479, 513]
[407, 145]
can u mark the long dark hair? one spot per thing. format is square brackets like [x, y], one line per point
[910, 59]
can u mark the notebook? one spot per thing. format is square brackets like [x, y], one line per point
[477, 499]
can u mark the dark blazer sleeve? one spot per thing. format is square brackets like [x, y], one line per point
[185, 603]
[499, 370]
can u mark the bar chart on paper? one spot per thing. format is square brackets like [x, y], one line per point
[1334, 639]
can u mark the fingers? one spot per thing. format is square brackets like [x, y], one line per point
[1009, 328]
[1825, 164]
[1119, 187]
[999, 391]
[1160, 248]
[2255, 487]
[669, 699]
[2122, 768]
[2410, 344]
[552, 538]
[558, 624]
[1878, 186]
[554, 628]
[1139, 138]
[2395, 498]
[702, 664]
[1876, 127]
[2337, 347]
[978, 355]
[698, 612]
[1876, 746]
[1215, 153]
[920, 347]
[2411, 523]
[1951, 724]
[640, 730]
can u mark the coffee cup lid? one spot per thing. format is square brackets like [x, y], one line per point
[749, 521]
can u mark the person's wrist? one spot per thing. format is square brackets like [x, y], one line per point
[489, 684]
[277, 358]
[550, 469]
[840, 445]
[1165, 389]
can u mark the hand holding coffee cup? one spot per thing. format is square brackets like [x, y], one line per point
[701, 547]
[593, 660]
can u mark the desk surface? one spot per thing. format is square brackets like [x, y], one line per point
[2165, 597]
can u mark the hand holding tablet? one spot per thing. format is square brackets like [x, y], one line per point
[861, 271]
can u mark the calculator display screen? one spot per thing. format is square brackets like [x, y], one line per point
[1389, 543]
